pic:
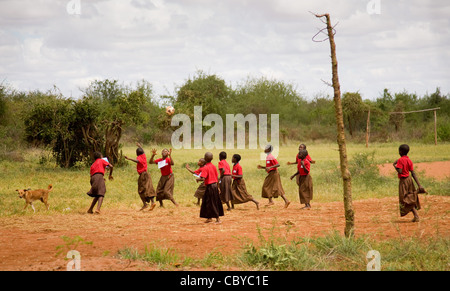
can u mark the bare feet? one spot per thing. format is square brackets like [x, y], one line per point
[152, 207]
[286, 205]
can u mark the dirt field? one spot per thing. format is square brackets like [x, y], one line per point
[30, 242]
[437, 170]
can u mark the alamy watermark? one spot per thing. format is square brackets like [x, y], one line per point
[374, 263]
[75, 263]
[374, 7]
[73, 7]
[236, 124]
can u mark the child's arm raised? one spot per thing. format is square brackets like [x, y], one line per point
[153, 156]
[170, 156]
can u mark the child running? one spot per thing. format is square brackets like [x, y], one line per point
[211, 205]
[164, 190]
[407, 194]
[240, 194]
[304, 182]
[98, 187]
[225, 181]
[145, 186]
[272, 187]
[301, 147]
[201, 189]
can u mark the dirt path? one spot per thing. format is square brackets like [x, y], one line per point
[30, 242]
[437, 170]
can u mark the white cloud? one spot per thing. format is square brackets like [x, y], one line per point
[166, 41]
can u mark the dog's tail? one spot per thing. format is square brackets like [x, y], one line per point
[50, 187]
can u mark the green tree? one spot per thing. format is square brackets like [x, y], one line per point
[353, 109]
[116, 106]
[208, 91]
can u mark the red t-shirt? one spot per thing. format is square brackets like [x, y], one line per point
[406, 165]
[98, 166]
[307, 158]
[198, 171]
[209, 172]
[271, 161]
[237, 170]
[141, 164]
[225, 166]
[300, 168]
[167, 169]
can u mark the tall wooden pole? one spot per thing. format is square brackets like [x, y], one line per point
[346, 176]
[435, 128]
[368, 129]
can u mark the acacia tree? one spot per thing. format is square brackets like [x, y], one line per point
[346, 176]
[116, 106]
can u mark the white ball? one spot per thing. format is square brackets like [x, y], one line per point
[170, 110]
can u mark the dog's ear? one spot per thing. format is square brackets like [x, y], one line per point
[17, 190]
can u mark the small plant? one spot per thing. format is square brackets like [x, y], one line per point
[71, 243]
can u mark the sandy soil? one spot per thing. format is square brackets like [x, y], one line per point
[437, 170]
[30, 242]
[33, 242]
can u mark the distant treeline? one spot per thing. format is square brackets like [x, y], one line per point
[110, 112]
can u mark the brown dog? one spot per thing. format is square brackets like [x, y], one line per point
[32, 195]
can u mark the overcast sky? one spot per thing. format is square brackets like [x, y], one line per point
[399, 45]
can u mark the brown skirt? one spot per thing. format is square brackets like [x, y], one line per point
[226, 194]
[164, 190]
[240, 194]
[211, 205]
[407, 195]
[200, 191]
[305, 189]
[272, 187]
[98, 187]
[145, 187]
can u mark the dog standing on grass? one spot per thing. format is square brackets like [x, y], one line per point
[32, 195]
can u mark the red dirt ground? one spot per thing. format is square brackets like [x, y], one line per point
[437, 170]
[30, 242]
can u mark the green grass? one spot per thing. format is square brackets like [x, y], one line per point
[37, 170]
[332, 252]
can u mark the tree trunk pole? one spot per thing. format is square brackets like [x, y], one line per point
[368, 129]
[346, 176]
[435, 128]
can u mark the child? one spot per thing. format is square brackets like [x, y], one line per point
[272, 187]
[225, 181]
[407, 193]
[166, 183]
[305, 184]
[98, 187]
[145, 186]
[211, 205]
[301, 147]
[240, 194]
[201, 189]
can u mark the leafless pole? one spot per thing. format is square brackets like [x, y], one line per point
[346, 176]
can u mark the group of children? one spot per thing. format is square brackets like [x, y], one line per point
[227, 185]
